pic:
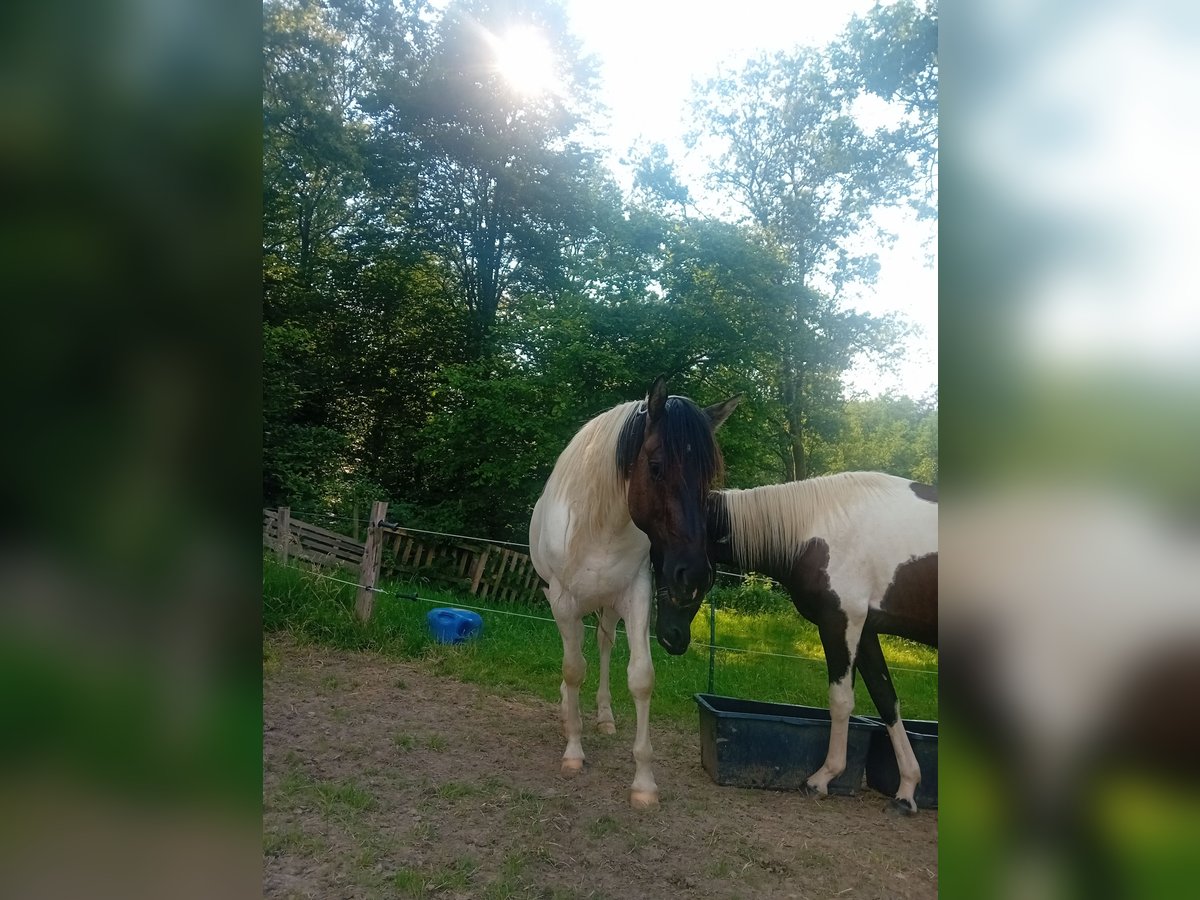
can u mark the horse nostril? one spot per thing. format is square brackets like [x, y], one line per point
[681, 576]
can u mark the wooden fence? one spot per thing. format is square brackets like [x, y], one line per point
[486, 570]
[480, 568]
[311, 542]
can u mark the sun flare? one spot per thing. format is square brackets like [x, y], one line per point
[525, 60]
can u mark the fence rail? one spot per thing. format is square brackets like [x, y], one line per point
[311, 542]
[482, 568]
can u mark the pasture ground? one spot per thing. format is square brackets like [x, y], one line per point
[382, 778]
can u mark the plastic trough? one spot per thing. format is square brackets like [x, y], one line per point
[750, 743]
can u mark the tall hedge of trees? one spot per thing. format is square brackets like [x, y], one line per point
[453, 281]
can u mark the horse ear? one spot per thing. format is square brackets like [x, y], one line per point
[656, 400]
[719, 412]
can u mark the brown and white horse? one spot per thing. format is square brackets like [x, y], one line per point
[858, 554]
[658, 456]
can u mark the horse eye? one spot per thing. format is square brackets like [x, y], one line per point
[655, 470]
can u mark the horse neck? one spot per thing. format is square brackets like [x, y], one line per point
[764, 528]
[586, 478]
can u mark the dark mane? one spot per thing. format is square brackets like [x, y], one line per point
[686, 426]
[717, 516]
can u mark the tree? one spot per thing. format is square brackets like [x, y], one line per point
[345, 295]
[897, 435]
[321, 61]
[502, 185]
[786, 148]
[892, 53]
[453, 285]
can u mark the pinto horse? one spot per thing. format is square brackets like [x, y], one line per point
[658, 456]
[857, 552]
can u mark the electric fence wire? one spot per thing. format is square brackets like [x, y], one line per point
[507, 612]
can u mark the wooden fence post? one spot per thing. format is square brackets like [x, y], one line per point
[368, 573]
[283, 532]
[480, 565]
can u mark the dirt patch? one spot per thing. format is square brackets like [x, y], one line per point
[381, 779]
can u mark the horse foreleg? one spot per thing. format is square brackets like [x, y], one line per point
[873, 668]
[573, 668]
[644, 793]
[840, 640]
[606, 628]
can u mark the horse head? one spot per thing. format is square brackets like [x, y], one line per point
[671, 460]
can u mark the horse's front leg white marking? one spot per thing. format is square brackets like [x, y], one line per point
[573, 668]
[841, 705]
[644, 793]
[606, 628]
[906, 762]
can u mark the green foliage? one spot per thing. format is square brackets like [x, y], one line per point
[752, 595]
[892, 52]
[784, 145]
[897, 435]
[453, 283]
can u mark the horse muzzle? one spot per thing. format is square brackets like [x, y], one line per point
[675, 640]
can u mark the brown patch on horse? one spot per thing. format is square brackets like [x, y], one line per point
[924, 491]
[809, 575]
[909, 605]
[808, 584]
[1150, 726]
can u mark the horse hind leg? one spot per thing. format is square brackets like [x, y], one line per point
[873, 668]
[573, 669]
[606, 627]
[840, 639]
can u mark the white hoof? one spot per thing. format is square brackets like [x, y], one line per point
[643, 799]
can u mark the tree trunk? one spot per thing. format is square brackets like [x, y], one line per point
[793, 403]
[798, 462]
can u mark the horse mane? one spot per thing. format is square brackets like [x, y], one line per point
[592, 473]
[773, 522]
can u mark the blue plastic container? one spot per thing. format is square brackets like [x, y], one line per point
[453, 626]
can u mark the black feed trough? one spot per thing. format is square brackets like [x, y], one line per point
[750, 743]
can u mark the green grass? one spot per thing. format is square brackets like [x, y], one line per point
[410, 881]
[294, 841]
[334, 799]
[525, 655]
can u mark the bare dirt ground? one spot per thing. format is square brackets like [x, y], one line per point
[381, 779]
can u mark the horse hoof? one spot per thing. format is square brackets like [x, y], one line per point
[901, 807]
[606, 728]
[643, 799]
[808, 790]
[572, 766]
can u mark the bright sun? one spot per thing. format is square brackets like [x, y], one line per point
[525, 60]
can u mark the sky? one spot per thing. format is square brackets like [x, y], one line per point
[650, 51]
